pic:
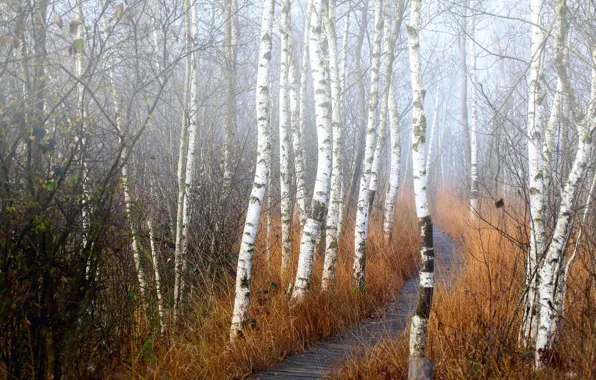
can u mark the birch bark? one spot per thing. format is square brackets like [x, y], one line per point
[474, 119]
[298, 148]
[230, 67]
[394, 171]
[284, 139]
[555, 255]
[323, 122]
[242, 299]
[335, 201]
[426, 276]
[433, 131]
[391, 32]
[181, 170]
[362, 209]
[536, 175]
[124, 171]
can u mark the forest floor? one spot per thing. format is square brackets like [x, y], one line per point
[199, 347]
[473, 328]
[323, 358]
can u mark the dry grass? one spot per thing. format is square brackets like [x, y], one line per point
[200, 349]
[473, 327]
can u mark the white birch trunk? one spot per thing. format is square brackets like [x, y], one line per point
[297, 138]
[335, 200]
[298, 147]
[426, 275]
[157, 276]
[474, 211]
[242, 299]
[230, 68]
[193, 118]
[284, 139]
[555, 256]
[536, 175]
[322, 182]
[564, 270]
[433, 131]
[181, 170]
[391, 196]
[391, 32]
[363, 209]
[124, 170]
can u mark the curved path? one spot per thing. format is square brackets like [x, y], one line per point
[325, 357]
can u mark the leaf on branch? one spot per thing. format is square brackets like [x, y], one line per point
[77, 45]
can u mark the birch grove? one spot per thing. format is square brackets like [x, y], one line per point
[203, 189]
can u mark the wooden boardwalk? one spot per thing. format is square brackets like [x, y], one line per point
[328, 356]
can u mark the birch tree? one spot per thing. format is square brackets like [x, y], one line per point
[186, 152]
[230, 40]
[536, 175]
[335, 200]
[363, 209]
[297, 131]
[128, 200]
[391, 196]
[433, 131]
[474, 119]
[323, 122]
[284, 138]
[419, 322]
[391, 32]
[585, 122]
[242, 299]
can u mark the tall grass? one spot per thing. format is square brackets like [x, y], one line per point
[473, 329]
[199, 346]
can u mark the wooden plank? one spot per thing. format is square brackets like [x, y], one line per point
[323, 358]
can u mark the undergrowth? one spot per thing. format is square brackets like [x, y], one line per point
[473, 328]
[199, 346]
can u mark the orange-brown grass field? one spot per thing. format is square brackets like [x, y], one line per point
[473, 329]
[199, 347]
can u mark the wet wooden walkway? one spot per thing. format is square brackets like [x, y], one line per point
[328, 356]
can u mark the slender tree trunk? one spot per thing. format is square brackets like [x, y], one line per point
[182, 156]
[391, 196]
[536, 175]
[322, 182]
[391, 32]
[433, 131]
[296, 125]
[242, 300]
[362, 209]
[284, 139]
[426, 276]
[474, 210]
[356, 169]
[563, 271]
[343, 87]
[555, 256]
[193, 119]
[298, 148]
[464, 87]
[154, 256]
[335, 201]
[230, 68]
[128, 201]
[187, 150]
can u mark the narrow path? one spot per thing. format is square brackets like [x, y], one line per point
[325, 357]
